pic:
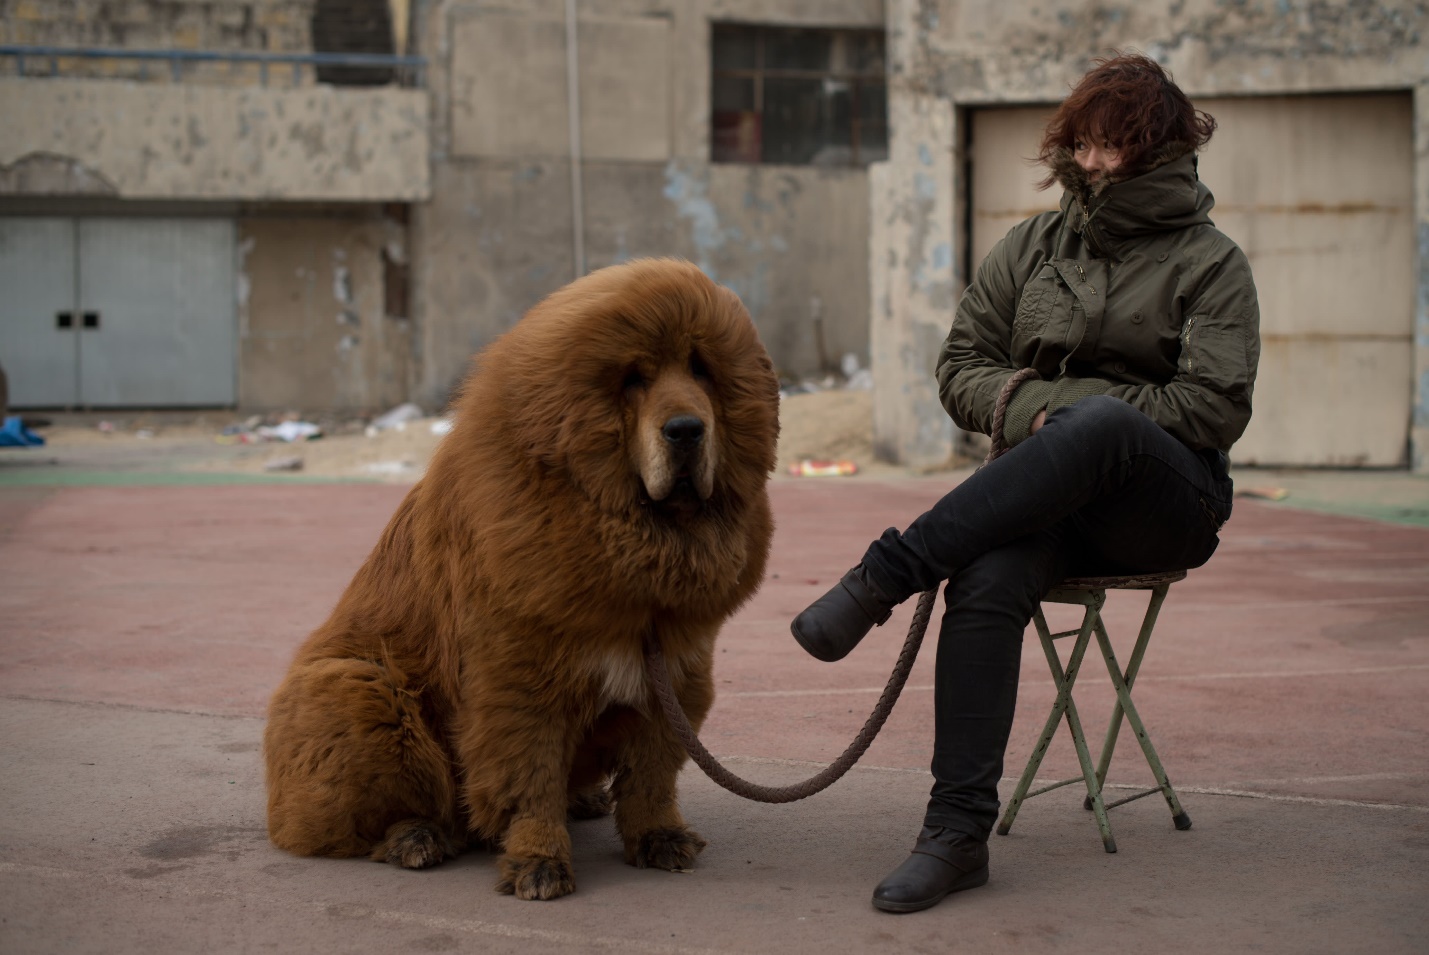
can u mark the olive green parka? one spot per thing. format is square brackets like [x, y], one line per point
[1129, 290]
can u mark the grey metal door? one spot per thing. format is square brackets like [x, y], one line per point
[157, 302]
[39, 345]
[118, 312]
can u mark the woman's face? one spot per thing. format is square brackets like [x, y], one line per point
[1098, 159]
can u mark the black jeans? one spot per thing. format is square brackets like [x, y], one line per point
[1099, 489]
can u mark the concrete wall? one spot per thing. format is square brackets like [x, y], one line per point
[313, 327]
[497, 234]
[157, 141]
[958, 53]
[159, 24]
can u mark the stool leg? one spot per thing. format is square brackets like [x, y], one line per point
[1123, 693]
[1049, 729]
[1133, 666]
[1063, 705]
[1079, 740]
[1108, 744]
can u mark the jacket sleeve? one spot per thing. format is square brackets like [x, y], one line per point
[975, 360]
[1207, 403]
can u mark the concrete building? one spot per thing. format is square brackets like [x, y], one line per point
[507, 221]
[201, 232]
[380, 235]
[842, 164]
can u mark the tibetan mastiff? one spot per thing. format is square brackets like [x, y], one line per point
[481, 678]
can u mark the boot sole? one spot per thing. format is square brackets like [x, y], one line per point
[970, 880]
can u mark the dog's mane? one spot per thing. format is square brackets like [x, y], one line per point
[538, 435]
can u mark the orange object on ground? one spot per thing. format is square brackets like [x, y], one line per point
[809, 468]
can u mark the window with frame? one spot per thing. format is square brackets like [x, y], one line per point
[800, 96]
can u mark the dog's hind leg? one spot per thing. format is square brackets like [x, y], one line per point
[354, 769]
[588, 792]
[415, 844]
[590, 803]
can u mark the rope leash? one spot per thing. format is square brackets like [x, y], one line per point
[659, 677]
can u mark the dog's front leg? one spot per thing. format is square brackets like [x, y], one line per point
[517, 756]
[647, 811]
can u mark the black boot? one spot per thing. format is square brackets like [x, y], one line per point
[834, 624]
[943, 861]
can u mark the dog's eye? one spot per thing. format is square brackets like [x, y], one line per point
[697, 367]
[633, 380]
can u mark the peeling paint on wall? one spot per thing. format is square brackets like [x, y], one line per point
[243, 285]
[51, 174]
[689, 192]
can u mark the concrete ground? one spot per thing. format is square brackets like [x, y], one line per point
[145, 619]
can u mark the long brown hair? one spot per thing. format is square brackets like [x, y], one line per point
[1129, 102]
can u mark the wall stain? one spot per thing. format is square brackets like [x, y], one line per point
[690, 194]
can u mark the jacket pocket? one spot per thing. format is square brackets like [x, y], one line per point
[1214, 354]
[1038, 297]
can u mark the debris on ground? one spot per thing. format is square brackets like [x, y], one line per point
[254, 431]
[388, 468]
[283, 464]
[398, 418]
[850, 377]
[1263, 493]
[291, 431]
[812, 468]
[14, 434]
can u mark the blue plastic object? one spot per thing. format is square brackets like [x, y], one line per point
[14, 434]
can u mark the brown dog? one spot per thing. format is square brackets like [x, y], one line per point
[482, 675]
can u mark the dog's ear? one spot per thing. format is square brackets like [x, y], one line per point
[561, 416]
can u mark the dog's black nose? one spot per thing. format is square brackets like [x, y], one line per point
[684, 431]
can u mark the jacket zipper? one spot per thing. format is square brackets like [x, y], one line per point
[1190, 356]
[1083, 274]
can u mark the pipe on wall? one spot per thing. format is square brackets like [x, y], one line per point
[573, 103]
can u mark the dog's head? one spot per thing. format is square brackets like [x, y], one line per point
[647, 383]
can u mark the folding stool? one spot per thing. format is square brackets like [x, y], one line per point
[1090, 593]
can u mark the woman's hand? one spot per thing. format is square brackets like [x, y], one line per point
[1038, 422]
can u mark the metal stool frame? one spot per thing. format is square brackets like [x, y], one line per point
[1090, 593]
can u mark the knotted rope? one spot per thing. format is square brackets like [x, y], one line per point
[660, 678]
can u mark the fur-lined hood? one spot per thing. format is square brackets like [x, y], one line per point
[1164, 194]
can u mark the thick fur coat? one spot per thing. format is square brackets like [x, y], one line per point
[482, 675]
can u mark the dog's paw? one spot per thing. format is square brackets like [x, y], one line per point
[591, 804]
[414, 845]
[672, 849]
[539, 878]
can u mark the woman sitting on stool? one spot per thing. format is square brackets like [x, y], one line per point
[1141, 320]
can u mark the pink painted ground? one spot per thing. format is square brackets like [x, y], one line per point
[142, 629]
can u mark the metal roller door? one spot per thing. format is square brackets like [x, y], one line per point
[1318, 191]
[118, 312]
